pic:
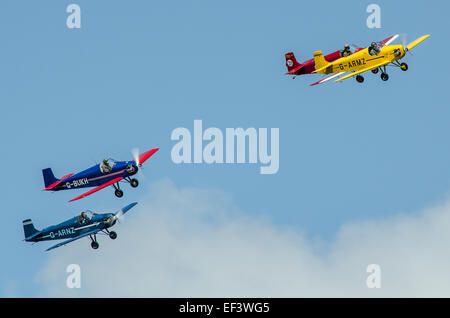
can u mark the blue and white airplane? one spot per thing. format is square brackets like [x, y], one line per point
[86, 224]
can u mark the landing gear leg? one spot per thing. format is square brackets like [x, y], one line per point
[112, 235]
[133, 182]
[384, 75]
[94, 243]
[118, 192]
[403, 66]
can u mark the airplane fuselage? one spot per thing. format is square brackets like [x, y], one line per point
[94, 176]
[363, 59]
[72, 228]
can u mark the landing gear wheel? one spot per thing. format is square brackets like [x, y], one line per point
[359, 78]
[118, 193]
[112, 235]
[94, 245]
[404, 67]
[134, 183]
[384, 77]
[375, 71]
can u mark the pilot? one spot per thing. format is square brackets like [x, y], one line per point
[346, 51]
[83, 218]
[104, 166]
[373, 49]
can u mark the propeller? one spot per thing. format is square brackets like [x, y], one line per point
[139, 159]
[119, 215]
[110, 221]
[136, 158]
[403, 38]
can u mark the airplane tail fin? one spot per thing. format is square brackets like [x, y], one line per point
[291, 63]
[49, 178]
[321, 63]
[29, 229]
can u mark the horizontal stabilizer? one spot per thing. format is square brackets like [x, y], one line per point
[57, 182]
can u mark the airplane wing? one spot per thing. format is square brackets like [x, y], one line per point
[363, 70]
[97, 189]
[326, 79]
[72, 239]
[128, 207]
[415, 42]
[389, 40]
[144, 156]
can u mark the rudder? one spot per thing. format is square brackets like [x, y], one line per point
[49, 178]
[320, 62]
[28, 228]
[291, 62]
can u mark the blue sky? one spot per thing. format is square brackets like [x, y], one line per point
[137, 70]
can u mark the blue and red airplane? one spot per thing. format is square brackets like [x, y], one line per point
[83, 225]
[109, 172]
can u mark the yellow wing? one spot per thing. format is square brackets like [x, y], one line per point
[415, 42]
[363, 70]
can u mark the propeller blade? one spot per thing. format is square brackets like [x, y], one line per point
[121, 213]
[135, 153]
[136, 158]
[403, 39]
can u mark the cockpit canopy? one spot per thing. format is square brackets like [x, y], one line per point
[86, 216]
[107, 165]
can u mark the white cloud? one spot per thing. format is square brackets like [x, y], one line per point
[197, 243]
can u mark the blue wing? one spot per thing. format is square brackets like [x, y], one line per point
[128, 207]
[73, 239]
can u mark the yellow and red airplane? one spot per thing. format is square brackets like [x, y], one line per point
[374, 58]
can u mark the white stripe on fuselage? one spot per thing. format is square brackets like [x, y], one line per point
[76, 229]
[86, 226]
